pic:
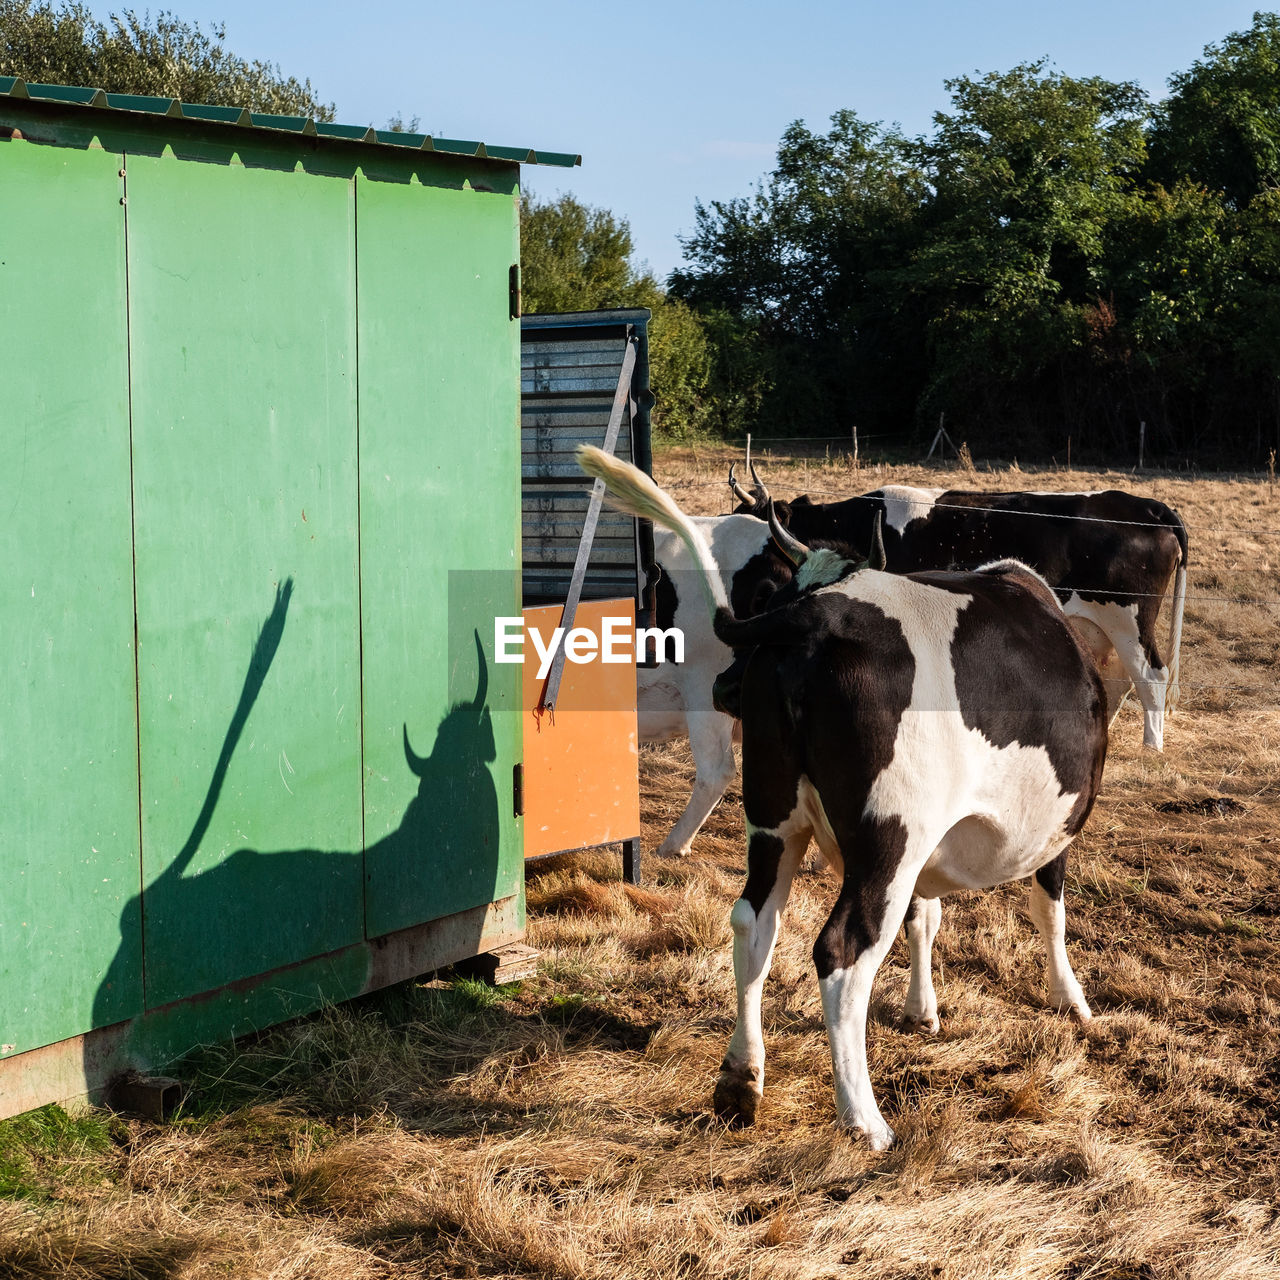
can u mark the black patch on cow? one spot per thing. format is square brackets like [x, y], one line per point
[873, 852]
[764, 853]
[1022, 676]
[666, 599]
[726, 689]
[849, 523]
[822, 698]
[756, 583]
[914, 908]
[1053, 875]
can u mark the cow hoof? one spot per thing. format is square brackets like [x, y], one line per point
[921, 1024]
[879, 1137]
[673, 850]
[735, 1101]
[1077, 1009]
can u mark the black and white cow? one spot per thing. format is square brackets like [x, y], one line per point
[933, 731]
[1109, 555]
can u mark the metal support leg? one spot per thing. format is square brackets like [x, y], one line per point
[631, 861]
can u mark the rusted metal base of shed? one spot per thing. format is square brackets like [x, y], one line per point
[85, 1066]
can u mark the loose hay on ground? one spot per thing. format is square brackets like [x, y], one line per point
[563, 1128]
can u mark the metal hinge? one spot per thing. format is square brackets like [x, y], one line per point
[517, 790]
[513, 290]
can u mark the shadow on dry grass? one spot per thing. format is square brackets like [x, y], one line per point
[562, 1128]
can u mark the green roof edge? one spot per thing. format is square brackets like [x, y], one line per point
[300, 126]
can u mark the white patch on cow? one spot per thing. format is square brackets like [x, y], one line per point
[1119, 624]
[845, 996]
[904, 503]
[754, 936]
[920, 1008]
[1050, 917]
[995, 813]
[1064, 493]
[675, 700]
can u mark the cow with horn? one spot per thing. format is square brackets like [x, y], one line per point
[1110, 557]
[933, 731]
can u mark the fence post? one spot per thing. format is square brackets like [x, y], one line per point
[1142, 442]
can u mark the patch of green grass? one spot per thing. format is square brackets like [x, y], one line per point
[1242, 928]
[479, 996]
[39, 1148]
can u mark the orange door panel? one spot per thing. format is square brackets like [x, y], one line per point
[581, 763]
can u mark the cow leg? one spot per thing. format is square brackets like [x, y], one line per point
[1115, 679]
[1135, 653]
[920, 1010]
[1115, 682]
[711, 739]
[1050, 917]
[771, 863]
[849, 951]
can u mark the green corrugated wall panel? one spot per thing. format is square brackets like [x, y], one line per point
[68, 756]
[440, 511]
[242, 318]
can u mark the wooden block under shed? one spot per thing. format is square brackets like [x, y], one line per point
[511, 963]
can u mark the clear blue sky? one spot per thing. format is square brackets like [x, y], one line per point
[669, 103]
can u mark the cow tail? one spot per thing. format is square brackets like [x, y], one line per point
[1175, 619]
[632, 491]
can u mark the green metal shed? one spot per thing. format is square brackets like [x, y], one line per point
[260, 418]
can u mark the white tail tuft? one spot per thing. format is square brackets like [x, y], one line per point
[632, 491]
[1175, 640]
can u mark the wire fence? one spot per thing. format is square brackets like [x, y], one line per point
[839, 495]
[1193, 533]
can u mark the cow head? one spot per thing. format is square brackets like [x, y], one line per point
[814, 568]
[756, 502]
[824, 565]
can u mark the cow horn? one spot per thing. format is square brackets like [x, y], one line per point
[877, 559]
[417, 765]
[790, 546]
[738, 491]
[761, 493]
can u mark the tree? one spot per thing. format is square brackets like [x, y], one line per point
[1221, 125]
[161, 56]
[1054, 258]
[793, 277]
[573, 257]
[1028, 171]
[578, 258]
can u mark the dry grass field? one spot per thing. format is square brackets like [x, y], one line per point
[562, 1128]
